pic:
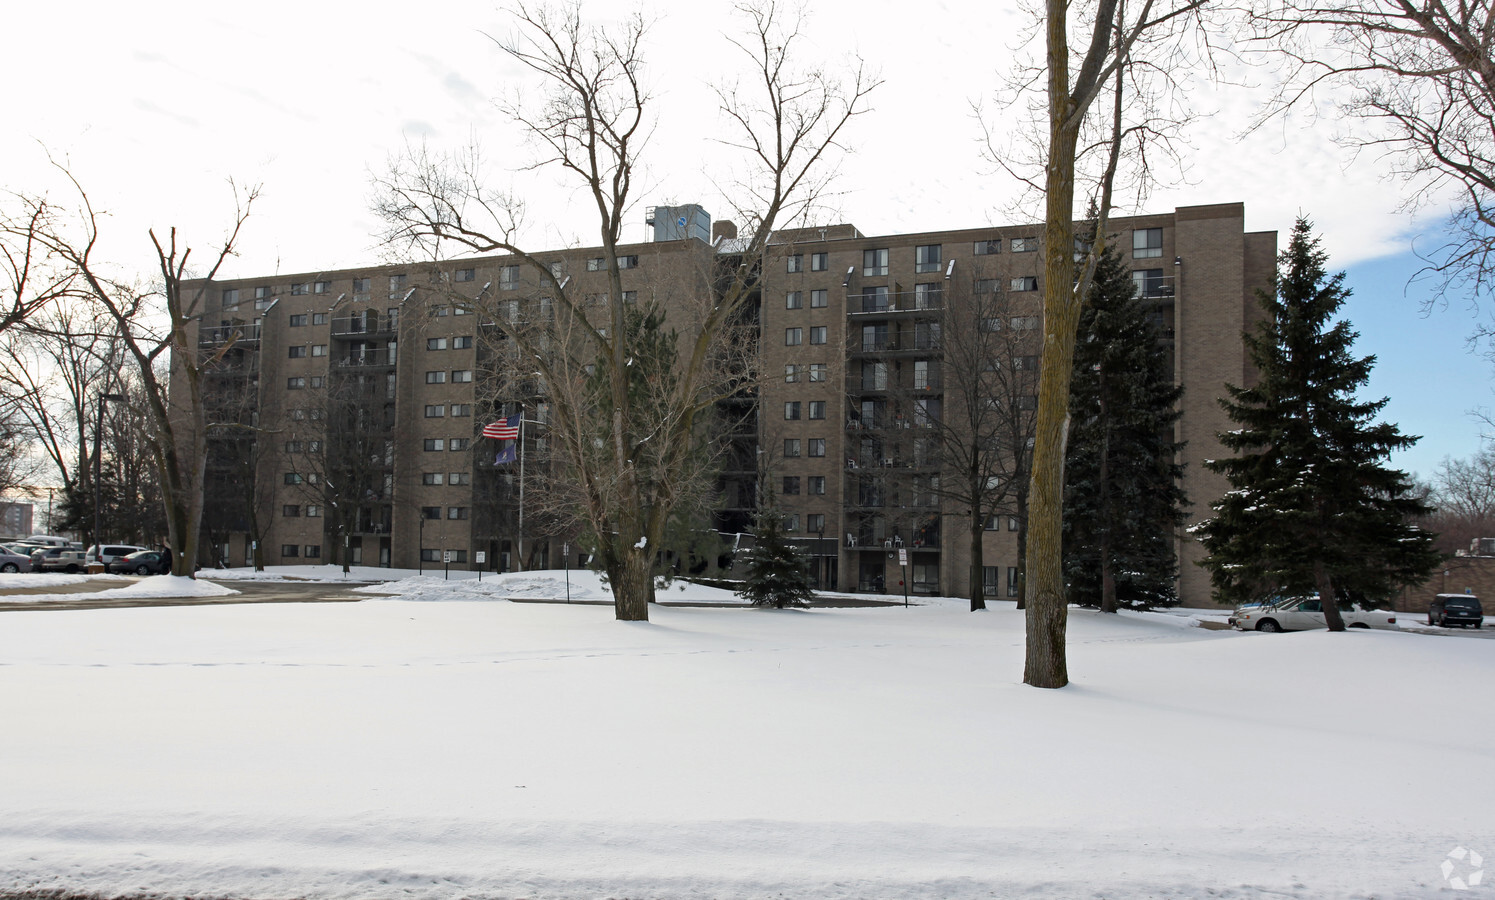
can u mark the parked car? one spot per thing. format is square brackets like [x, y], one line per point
[57, 559]
[111, 553]
[145, 562]
[13, 561]
[1303, 613]
[1456, 609]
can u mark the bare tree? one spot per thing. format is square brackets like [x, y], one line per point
[624, 443]
[1110, 100]
[1418, 81]
[1462, 495]
[154, 327]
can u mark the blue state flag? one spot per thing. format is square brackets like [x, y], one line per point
[508, 454]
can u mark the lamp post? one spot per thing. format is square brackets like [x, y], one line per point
[98, 471]
[420, 552]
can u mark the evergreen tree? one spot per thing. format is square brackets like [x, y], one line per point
[1314, 507]
[778, 574]
[1122, 499]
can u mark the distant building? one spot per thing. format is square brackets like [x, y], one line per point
[16, 518]
[850, 334]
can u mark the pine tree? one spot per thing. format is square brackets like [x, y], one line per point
[778, 574]
[1314, 507]
[1122, 499]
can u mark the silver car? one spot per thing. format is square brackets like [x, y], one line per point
[13, 561]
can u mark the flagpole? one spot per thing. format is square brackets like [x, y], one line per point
[520, 561]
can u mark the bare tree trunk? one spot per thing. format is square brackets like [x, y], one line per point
[1047, 611]
[978, 584]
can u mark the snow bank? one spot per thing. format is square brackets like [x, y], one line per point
[153, 587]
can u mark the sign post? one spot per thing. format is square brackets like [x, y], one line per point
[903, 561]
[481, 556]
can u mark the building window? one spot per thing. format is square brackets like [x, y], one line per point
[988, 286]
[993, 522]
[927, 258]
[815, 523]
[628, 262]
[321, 287]
[1025, 283]
[435, 343]
[817, 410]
[1023, 244]
[435, 411]
[819, 262]
[817, 334]
[437, 377]
[318, 349]
[432, 555]
[875, 262]
[295, 447]
[231, 297]
[439, 312]
[791, 374]
[793, 337]
[597, 264]
[432, 478]
[817, 446]
[794, 300]
[313, 511]
[466, 274]
[1147, 243]
[430, 512]
[1012, 581]
[1149, 283]
[818, 299]
[457, 512]
[295, 383]
[791, 484]
[319, 318]
[360, 285]
[817, 484]
[290, 550]
[1024, 323]
[461, 376]
[817, 372]
[462, 342]
[262, 293]
[461, 409]
[317, 381]
[313, 551]
[297, 352]
[396, 284]
[434, 444]
[794, 262]
[298, 288]
[508, 278]
[791, 522]
[986, 248]
[459, 443]
[791, 409]
[290, 510]
[929, 296]
[458, 478]
[791, 447]
[297, 321]
[293, 478]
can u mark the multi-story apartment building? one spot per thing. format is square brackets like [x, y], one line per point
[858, 341]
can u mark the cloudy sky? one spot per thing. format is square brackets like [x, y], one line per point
[155, 106]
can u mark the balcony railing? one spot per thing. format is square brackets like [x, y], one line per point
[900, 302]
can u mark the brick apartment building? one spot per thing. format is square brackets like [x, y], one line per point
[857, 325]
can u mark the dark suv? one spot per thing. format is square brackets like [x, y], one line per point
[1456, 609]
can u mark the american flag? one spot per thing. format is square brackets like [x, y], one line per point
[503, 429]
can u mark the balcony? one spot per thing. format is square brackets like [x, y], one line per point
[366, 359]
[899, 302]
[358, 327]
[219, 335]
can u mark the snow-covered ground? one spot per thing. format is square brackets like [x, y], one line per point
[113, 587]
[496, 749]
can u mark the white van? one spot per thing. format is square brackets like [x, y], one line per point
[49, 540]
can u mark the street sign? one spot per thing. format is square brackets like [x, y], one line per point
[482, 556]
[902, 556]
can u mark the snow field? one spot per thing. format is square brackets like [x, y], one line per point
[521, 750]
